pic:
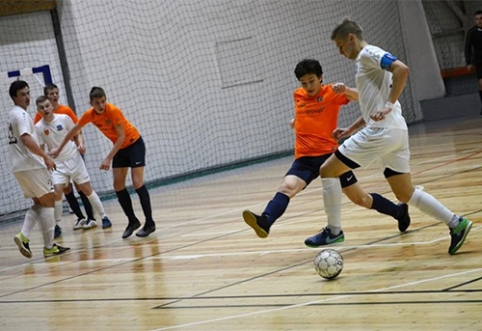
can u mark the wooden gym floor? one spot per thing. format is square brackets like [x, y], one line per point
[204, 269]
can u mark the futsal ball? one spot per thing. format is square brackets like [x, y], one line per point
[328, 263]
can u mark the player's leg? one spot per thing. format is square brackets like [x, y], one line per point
[94, 199]
[58, 208]
[301, 173]
[479, 83]
[74, 205]
[136, 154]
[124, 199]
[401, 185]
[86, 202]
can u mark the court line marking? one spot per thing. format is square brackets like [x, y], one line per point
[267, 311]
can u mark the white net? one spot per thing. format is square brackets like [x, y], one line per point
[208, 83]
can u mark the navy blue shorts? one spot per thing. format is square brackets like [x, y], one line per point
[307, 167]
[132, 156]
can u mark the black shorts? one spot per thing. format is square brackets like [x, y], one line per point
[307, 167]
[132, 156]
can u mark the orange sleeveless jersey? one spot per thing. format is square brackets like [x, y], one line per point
[106, 122]
[315, 120]
[61, 109]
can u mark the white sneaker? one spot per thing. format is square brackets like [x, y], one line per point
[89, 224]
[79, 224]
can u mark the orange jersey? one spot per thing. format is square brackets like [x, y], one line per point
[315, 120]
[106, 122]
[61, 109]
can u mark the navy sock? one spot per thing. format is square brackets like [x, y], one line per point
[87, 206]
[385, 206]
[276, 207]
[145, 203]
[74, 204]
[126, 204]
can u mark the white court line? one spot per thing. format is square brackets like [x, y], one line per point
[266, 311]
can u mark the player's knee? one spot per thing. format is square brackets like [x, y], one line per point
[288, 189]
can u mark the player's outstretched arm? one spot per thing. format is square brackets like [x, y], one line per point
[121, 137]
[350, 92]
[69, 136]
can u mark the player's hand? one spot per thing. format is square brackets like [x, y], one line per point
[379, 115]
[105, 165]
[292, 123]
[339, 88]
[50, 163]
[53, 153]
[341, 133]
[81, 148]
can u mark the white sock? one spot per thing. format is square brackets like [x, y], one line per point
[97, 204]
[332, 196]
[58, 210]
[432, 207]
[47, 224]
[29, 220]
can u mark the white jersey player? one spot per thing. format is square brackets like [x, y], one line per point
[52, 129]
[380, 79]
[31, 167]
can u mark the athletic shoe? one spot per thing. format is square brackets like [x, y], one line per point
[57, 231]
[131, 227]
[258, 223]
[404, 218]
[324, 237]
[106, 223]
[89, 224]
[22, 243]
[79, 223]
[146, 230]
[458, 235]
[55, 250]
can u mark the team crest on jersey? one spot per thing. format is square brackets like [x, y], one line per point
[107, 121]
[46, 132]
[319, 99]
[60, 127]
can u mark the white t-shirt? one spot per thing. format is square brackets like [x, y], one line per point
[52, 133]
[19, 123]
[374, 84]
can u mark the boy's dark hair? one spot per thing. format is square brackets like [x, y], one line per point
[345, 28]
[15, 86]
[41, 99]
[478, 12]
[96, 92]
[49, 87]
[308, 66]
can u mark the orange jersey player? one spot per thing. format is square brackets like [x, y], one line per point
[127, 152]
[316, 118]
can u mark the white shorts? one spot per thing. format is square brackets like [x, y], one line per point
[388, 146]
[71, 169]
[35, 183]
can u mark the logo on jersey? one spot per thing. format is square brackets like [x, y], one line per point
[59, 127]
[107, 121]
[46, 132]
[319, 99]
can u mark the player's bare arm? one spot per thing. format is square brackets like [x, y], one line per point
[70, 135]
[350, 93]
[121, 134]
[28, 141]
[399, 79]
[346, 132]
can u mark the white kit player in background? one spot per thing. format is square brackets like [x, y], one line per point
[31, 166]
[52, 129]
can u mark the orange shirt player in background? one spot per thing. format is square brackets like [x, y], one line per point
[316, 118]
[51, 91]
[128, 151]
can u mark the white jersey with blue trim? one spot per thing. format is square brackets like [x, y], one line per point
[373, 82]
[52, 134]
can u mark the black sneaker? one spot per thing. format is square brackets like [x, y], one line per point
[131, 227]
[55, 250]
[258, 223]
[146, 230]
[404, 218]
[458, 235]
[324, 237]
[57, 231]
